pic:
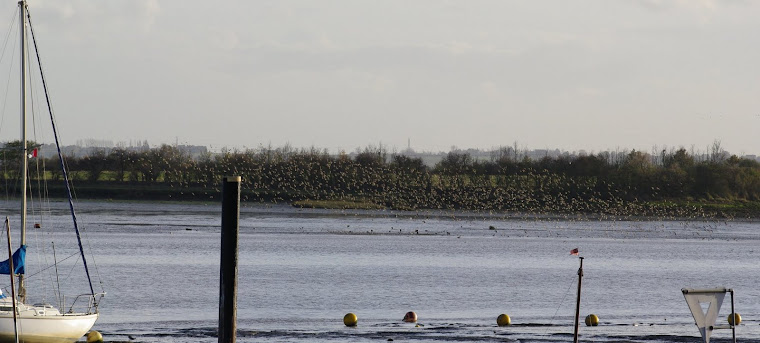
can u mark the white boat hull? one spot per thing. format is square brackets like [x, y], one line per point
[46, 328]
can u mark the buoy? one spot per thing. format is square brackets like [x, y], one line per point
[734, 317]
[350, 319]
[410, 317]
[94, 337]
[503, 320]
[592, 320]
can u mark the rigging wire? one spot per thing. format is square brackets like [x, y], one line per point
[2, 118]
[63, 168]
[45, 206]
[71, 181]
[29, 276]
[71, 271]
[8, 35]
[40, 205]
[57, 279]
[35, 207]
[558, 307]
[12, 29]
[66, 163]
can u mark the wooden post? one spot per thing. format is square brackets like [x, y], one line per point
[228, 268]
[578, 302]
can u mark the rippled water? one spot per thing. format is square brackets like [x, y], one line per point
[301, 270]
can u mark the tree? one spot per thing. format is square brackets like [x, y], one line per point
[408, 164]
[10, 157]
[455, 163]
[94, 164]
[117, 162]
[372, 156]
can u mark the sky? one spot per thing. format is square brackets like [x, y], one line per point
[342, 74]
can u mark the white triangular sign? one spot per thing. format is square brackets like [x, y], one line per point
[705, 320]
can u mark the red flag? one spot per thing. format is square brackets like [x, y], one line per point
[34, 152]
[574, 252]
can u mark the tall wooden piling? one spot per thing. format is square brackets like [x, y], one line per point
[228, 268]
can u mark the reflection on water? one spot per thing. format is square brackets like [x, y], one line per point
[301, 270]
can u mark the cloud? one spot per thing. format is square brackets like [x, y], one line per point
[697, 6]
[420, 63]
[676, 4]
[148, 11]
[100, 16]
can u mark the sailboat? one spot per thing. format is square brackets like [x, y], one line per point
[40, 322]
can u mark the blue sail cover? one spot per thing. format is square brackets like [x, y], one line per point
[18, 262]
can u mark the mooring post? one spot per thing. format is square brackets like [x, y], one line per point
[578, 302]
[733, 316]
[228, 268]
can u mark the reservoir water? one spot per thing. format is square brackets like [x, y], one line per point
[301, 270]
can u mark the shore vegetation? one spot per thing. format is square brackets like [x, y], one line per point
[674, 183]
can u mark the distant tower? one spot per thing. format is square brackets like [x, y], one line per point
[408, 144]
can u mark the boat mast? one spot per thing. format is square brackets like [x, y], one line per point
[24, 158]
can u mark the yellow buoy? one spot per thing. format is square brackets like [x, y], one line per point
[592, 320]
[503, 320]
[410, 317]
[734, 319]
[94, 337]
[350, 319]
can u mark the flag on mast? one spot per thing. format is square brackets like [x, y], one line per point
[574, 252]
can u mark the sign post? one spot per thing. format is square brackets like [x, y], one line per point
[712, 299]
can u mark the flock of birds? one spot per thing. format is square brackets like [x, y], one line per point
[282, 175]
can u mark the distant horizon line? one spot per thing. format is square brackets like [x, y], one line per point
[716, 146]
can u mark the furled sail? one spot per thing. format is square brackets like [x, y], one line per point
[18, 262]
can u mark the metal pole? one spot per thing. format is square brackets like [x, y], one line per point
[228, 268]
[733, 314]
[24, 158]
[12, 274]
[578, 302]
[58, 280]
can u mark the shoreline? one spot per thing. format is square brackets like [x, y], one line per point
[328, 207]
[593, 209]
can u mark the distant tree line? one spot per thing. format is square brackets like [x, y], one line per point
[637, 183]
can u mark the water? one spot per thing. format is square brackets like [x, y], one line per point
[301, 270]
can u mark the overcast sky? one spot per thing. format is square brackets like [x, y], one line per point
[591, 75]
